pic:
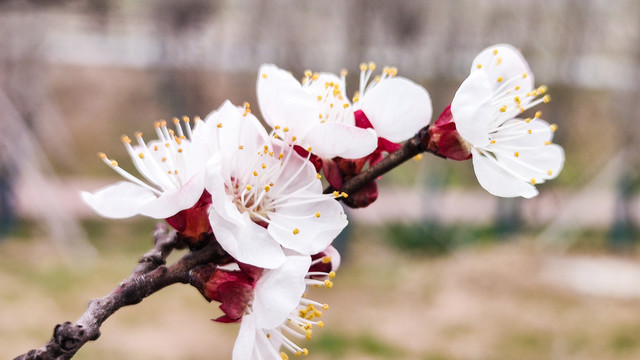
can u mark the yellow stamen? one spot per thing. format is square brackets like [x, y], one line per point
[248, 187]
[317, 214]
[296, 231]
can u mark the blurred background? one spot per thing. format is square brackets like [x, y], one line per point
[435, 269]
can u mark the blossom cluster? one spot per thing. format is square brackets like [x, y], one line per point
[259, 193]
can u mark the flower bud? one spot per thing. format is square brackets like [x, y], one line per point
[364, 197]
[444, 139]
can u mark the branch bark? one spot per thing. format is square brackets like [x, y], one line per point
[148, 277]
[412, 147]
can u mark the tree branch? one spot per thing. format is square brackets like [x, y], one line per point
[412, 147]
[149, 276]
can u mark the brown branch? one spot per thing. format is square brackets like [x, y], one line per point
[412, 147]
[149, 276]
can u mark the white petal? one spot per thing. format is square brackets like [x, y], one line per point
[220, 201]
[397, 108]
[517, 134]
[284, 102]
[245, 344]
[471, 111]
[331, 139]
[315, 233]
[248, 243]
[278, 292]
[293, 176]
[172, 201]
[497, 181]
[544, 162]
[121, 200]
[504, 61]
[318, 86]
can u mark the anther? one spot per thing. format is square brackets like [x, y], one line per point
[500, 79]
[344, 194]
[248, 187]
[317, 214]
[267, 188]
[126, 139]
[363, 67]
[328, 284]
[326, 259]
[516, 154]
[546, 99]
[102, 155]
[549, 172]
[318, 176]
[264, 76]
[479, 66]
[553, 127]
[503, 108]
[538, 114]
[533, 181]
[296, 231]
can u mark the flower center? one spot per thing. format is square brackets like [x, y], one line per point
[265, 185]
[162, 162]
